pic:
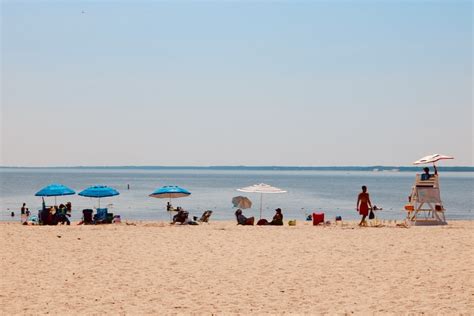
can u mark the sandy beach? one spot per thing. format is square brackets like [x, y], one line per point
[221, 268]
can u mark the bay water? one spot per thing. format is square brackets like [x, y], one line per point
[332, 192]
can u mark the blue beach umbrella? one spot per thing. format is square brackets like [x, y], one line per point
[170, 192]
[55, 190]
[99, 191]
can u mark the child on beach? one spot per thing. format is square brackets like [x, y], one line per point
[363, 205]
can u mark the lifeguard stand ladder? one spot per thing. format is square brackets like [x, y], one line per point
[425, 206]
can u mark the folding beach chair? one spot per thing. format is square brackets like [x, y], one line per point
[205, 216]
[102, 216]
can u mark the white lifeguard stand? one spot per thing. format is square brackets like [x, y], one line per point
[425, 206]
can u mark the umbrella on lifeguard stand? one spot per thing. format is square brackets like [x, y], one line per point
[431, 159]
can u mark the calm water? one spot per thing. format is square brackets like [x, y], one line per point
[333, 192]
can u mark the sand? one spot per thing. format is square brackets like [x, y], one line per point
[221, 268]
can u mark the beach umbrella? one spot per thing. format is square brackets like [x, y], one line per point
[99, 191]
[431, 159]
[261, 188]
[55, 190]
[241, 202]
[170, 192]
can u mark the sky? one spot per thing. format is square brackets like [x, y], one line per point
[284, 83]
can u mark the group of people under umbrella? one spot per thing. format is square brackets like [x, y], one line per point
[59, 214]
[54, 214]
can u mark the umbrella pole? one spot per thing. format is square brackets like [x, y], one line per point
[169, 211]
[261, 198]
[55, 201]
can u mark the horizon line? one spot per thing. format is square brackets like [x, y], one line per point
[253, 167]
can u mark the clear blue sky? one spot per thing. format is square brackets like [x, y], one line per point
[242, 83]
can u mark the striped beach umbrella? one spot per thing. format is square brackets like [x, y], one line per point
[261, 188]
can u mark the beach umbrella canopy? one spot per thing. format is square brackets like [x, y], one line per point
[431, 159]
[170, 192]
[55, 190]
[261, 188]
[241, 202]
[99, 191]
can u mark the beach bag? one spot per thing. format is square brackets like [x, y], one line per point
[318, 218]
[292, 222]
[371, 215]
[262, 222]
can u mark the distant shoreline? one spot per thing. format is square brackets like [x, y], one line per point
[260, 168]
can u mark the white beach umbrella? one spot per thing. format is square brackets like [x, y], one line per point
[431, 159]
[261, 188]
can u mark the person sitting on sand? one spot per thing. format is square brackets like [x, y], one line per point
[277, 218]
[242, 220]
[426, 175]
[181, 217]
[363, 205]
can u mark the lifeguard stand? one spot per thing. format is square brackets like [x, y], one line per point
[425, 206]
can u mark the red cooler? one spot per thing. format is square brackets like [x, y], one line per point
[318, 218]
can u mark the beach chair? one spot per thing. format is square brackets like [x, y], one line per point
[102, 216]
[205, 216]
[87, 217]
[46, 218]
[425, 206]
